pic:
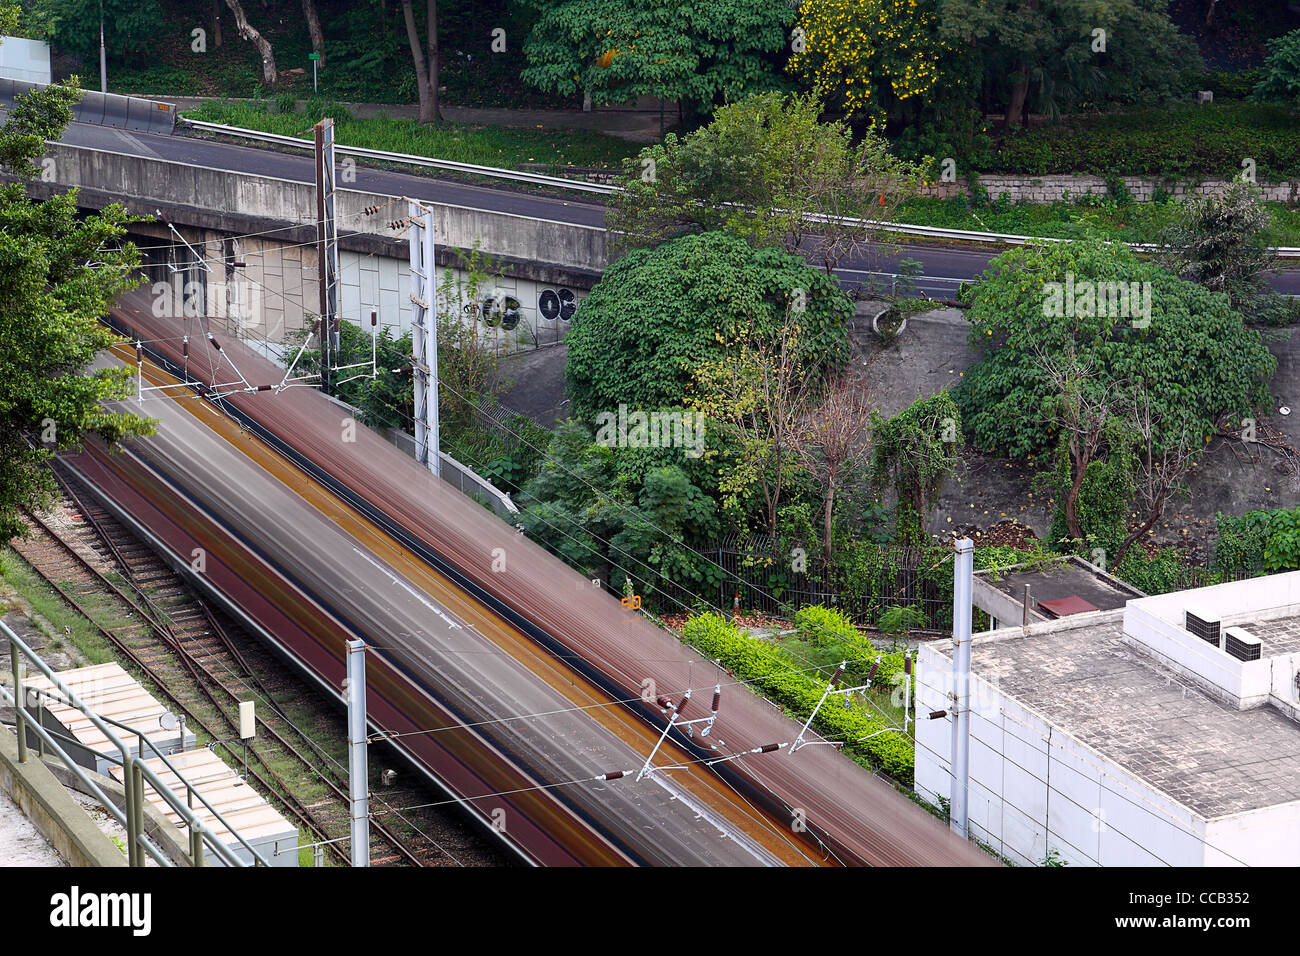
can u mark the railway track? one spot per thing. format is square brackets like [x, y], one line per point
[204, 666]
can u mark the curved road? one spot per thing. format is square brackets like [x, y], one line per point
[943, 267]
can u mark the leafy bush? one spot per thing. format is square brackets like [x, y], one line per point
[1163, 573]
[1103, 505]
[761, 664]
[915, 452]
[827, 627]
[1258, 540]
[658, 314]
[1233, 84]
[1280, 76]
[1193, 357]
[1241, 542]
[621, 513]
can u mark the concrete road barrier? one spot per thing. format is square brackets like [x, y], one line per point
[105, 109]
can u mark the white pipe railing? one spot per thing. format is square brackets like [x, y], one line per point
[496, 172]
[135, 771]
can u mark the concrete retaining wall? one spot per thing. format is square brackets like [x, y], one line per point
[1045, 189]
[238, 203]
[58, 817]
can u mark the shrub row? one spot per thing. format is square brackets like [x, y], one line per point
[756, 661]
[824, 626]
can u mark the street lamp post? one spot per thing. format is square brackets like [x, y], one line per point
[103, 60]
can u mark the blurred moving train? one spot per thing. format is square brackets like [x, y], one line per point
[854, 817]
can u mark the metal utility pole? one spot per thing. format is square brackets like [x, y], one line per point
[963, 570]
[103, 59]
[358, 765]
[327, 250]
[424, 335]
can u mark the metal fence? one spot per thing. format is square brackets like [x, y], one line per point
[771, 577]
[136, 774]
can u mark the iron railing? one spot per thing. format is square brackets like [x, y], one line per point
[136, 773]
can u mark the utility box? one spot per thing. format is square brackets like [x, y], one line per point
[27, 60]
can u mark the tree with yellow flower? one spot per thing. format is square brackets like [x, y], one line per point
[867, 56]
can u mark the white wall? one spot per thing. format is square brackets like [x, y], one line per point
[277, 286]
[1036, 789]
[27, 60]
[1159, 623]
[1265, 837]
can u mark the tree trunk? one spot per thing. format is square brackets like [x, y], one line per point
[1156, 512]
[313, 27]
[1072, 502]
[269, 73]
[216, 23]
[1020, 91]
[426, 68]
[828, 546]
[1019, 94]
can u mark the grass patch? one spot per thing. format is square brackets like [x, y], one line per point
[1129, 222]
[46, 602]
[460, 142]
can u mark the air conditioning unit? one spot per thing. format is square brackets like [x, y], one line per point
[1242, 644]
[1204, 625]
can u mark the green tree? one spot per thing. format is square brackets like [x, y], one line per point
[1047, 53]
[606, 514]
[915, 452]
[868, 56]
[758, 394]
[132, 28]
[1189, 353]
[657, 315]
[620, 49]
[1281, 75]
[760, 169]
[1222, 242]
[59, 273]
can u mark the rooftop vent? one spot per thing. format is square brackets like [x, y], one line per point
[1204, 625]
[1242, 644]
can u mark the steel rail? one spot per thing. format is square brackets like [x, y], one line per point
[224, 639]
[494, 172]
[281, 791]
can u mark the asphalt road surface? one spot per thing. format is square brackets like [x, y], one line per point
[943, 267]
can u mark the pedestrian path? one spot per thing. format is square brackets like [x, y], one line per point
[21, 844]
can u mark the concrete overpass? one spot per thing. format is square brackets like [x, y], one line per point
[257, 206]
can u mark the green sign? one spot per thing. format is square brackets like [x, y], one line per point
[313, 56]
